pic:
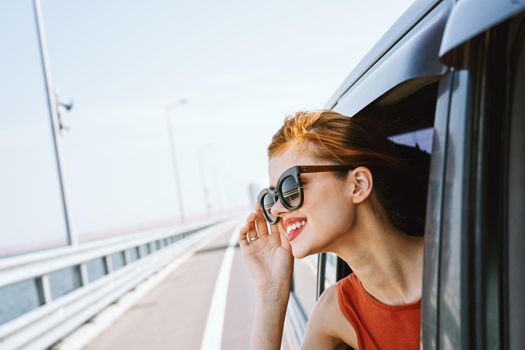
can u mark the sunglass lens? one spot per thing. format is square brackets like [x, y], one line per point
[290, 191]
[268, 203]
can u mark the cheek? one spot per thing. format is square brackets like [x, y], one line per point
[328, 220]
[332, 206]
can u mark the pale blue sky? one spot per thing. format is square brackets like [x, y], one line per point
[242, 65]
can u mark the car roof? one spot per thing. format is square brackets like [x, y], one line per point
[400, 28]
[418, 47]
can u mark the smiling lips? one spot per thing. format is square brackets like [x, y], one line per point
[294, 229]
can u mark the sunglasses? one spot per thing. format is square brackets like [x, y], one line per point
[289, 189]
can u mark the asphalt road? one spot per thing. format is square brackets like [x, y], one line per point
[206, 302]
[174, 314]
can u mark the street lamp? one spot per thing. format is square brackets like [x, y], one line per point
[168, 109]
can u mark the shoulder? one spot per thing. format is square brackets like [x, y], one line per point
[327, 327]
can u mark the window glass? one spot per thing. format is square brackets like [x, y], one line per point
[31, 210]
[421, 138]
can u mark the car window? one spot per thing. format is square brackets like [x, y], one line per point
[334, 268]
[419, 138]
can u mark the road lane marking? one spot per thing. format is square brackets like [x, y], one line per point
[212, 338]
[88, 332]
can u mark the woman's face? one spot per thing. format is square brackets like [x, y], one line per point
[327, 211]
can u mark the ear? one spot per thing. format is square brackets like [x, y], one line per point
[361, 182]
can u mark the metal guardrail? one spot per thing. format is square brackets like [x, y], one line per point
[295, 322]
[296, 317]
[120, 263]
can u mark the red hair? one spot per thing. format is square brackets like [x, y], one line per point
[400, 173]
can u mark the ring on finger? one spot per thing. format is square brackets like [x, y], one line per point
[252, 238]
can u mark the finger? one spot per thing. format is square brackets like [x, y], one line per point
[279, 234]
[251, 232]
[243, 242]
[260, 223]
[244, 232]
[275, 233]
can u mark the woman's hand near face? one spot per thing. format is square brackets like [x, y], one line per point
[269, 257]
[270, 262]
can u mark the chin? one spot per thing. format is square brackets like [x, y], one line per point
[300, 252]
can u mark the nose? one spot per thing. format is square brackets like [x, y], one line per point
[278, 208]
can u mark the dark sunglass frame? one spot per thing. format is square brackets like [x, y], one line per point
[295, 172]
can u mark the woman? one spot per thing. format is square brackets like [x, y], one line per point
[340, 186]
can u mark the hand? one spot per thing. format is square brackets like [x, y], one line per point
[268, 256]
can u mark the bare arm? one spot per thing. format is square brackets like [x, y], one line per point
[270, 263]
[327, 328]
[270, 310]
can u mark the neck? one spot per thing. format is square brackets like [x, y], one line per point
[388, 262]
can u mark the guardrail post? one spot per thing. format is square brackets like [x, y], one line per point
[108, 263]
[127, 257]
[84, 278]
[45, 289]
[141, 252]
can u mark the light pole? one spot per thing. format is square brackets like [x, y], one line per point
[56, 126]
[203, 178]
[168, 108]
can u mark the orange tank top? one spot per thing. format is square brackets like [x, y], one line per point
[377, 325]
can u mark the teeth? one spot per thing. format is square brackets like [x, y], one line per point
[295, 226]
